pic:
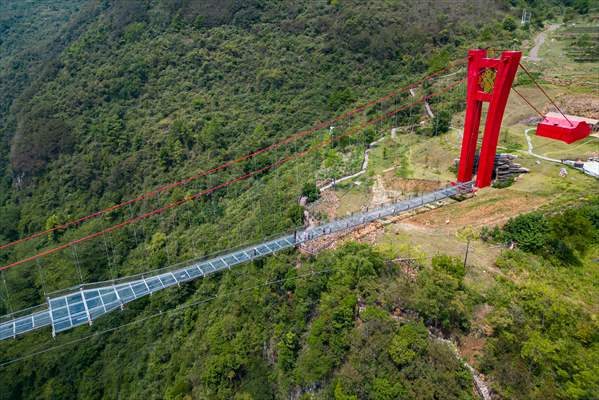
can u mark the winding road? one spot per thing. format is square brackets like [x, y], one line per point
[533, 55]
[360, 172]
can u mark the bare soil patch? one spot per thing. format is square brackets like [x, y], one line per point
[582, 105]
[405, 186]
[487, 208]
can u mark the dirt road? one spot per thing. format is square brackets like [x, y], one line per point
[533, 55]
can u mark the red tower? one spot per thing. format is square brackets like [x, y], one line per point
[490, 80]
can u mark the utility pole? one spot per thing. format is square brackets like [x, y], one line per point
[467, 234]
[466, 256]
[526, 15]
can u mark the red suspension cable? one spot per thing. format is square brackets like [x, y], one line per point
[222, 185]
[527, 102]
[291, 138]
[545, 93]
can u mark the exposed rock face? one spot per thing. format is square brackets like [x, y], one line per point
[506, 168]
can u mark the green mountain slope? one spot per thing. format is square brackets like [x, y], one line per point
[103, 100]
[152, 92]
[32, 34]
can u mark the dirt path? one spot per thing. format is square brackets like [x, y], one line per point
[379, 194]
[479, 382]
[360, 172]
[530, 148]
[533, 55]
[427, 106]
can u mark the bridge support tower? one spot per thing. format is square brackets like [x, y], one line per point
[489, 80]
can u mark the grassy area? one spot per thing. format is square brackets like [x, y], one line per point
[352, 198]
[557, 66]
[430, 158]
[392, 153]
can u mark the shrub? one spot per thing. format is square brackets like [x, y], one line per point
[509, 24]
[441, 122]
[530, 231]
[503, 183]
[310, 190]
[409, 341]
[451, 265]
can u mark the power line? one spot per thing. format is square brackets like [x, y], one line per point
[545, 93]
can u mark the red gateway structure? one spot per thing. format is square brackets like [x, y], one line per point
[490, 80]
[480, 89]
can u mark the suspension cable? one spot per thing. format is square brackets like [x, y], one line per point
[527, 102]
[289, 139]
[545, 93]
[232, 181]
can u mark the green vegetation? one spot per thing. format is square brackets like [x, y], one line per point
[583, 45]
[103, 100]
[563, 239]
[144, 95]
[543, 344]
[545, 330]
[311, 192]
[320, 329]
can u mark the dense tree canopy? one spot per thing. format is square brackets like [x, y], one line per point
[102, 100]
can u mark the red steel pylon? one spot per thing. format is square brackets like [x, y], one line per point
[483, 88]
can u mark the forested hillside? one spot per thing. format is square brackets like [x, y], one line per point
[32, 35]
[154, 92]
[103, 100]
[167, 89]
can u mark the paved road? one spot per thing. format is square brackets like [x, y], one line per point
[533, 55]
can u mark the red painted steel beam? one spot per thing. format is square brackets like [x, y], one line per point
[505, 70]
[473, 114]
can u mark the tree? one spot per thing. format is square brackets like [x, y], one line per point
[466, 234]
[382, 389]
[311, 192]
[582, 6]
[368, 135]
[450, 265]
[340, 394]
[340, 98]
[529, 231]
[441, 122]
[296, 214]
[509, 23]
[156, 248]
[410, 340]
[9, 222]
[439, 299]
[52, 222]
[286, 351]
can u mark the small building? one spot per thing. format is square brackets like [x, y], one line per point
[593, 123]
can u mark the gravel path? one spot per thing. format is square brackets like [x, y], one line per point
[530, 148]
[533, 55]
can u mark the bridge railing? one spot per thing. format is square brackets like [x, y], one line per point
[87, 303]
